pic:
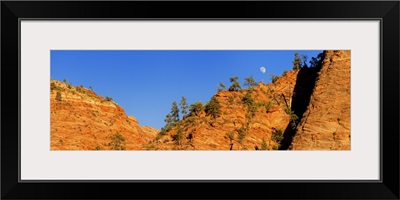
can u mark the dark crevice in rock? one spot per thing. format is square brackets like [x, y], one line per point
[302, 91]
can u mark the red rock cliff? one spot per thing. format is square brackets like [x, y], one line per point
[82, 120]
[325, 125]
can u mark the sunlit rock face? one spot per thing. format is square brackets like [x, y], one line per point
[82, 120]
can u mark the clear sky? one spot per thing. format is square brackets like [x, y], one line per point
[146, 82]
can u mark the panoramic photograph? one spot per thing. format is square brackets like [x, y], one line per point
[229, 100]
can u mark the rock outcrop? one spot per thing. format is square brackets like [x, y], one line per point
[325, 125]
[255, 123]
[82, 120]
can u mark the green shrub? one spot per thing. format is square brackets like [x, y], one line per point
[190, 120]
[196, 108]
[288, 110]
[264, 145]
[53, 86]
[117, 142]
[163, 131]
[241, 134]
[251, 104]
[97, 148]
[58, 96]
[251, 110]
[248, 99]
[231, 99]
[230, 136]
[274, 78]
[148, 147]
[213, 107]
[268, 106]
[277, 135]
[178, 136]
[160, 134]
[108, 98]
[293, 117]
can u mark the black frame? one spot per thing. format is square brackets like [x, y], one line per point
[386, 11]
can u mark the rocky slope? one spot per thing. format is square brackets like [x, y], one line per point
[309, 110]
[249, 119]
[82, 120]
[325, 125]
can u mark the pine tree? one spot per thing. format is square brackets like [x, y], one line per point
[235, 85]
[297, 62]
[175, 112]
[250, 82]
[184, 106]
[168, 120]
[304, 58]
[221, 87]
[213, 107]
[313, 62]
[172, 117]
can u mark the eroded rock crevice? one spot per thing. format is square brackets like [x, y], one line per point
[305, 83]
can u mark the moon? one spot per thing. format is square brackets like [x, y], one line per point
[263, 70]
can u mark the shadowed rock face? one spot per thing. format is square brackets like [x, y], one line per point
[305, 84]
[325, 125]
[320, 97]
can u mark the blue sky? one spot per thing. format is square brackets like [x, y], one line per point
[146, 82]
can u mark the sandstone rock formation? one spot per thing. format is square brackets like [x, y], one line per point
[307, 109]
[325, 125]
[247, 130]
[82, 120]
